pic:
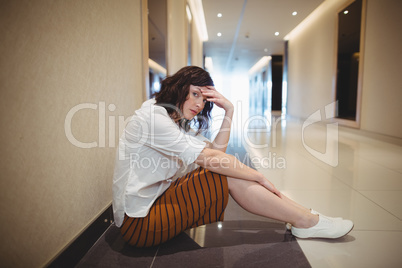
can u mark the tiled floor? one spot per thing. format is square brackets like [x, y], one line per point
[364, 186]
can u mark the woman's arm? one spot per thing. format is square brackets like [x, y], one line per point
[221, 140]
[225, 164]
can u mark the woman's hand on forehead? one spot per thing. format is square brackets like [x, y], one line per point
[216, 97]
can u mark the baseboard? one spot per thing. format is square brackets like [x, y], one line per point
[77, 249]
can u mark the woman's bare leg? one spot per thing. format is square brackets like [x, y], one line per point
[256, 199]
[292, 202]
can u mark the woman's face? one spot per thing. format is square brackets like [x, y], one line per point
[195, 102]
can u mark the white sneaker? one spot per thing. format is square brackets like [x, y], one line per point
[318, 213]
[289, 226]
[325, 228]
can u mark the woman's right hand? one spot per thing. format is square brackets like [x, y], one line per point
[216, 97]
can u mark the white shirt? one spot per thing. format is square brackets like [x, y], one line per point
[153, 152]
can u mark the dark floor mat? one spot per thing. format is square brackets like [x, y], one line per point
[243, 243]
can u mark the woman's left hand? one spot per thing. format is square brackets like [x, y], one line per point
[271, 187]
[214, 96]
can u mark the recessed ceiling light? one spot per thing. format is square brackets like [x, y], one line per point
[276, 33]
[346, 12]
[265, 49]
[219, 34]
[294, 13]
[219, 15]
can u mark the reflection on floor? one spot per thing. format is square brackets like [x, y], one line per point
[227, 244]
[350, 174]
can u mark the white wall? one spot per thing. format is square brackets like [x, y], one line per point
[311, 61]
[55, 55]
[177, 36]
[382, 83]
[312, 65]
[197, 56]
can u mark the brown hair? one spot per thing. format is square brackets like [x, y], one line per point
[174, 92]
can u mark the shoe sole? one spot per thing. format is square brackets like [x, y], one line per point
[307, 238]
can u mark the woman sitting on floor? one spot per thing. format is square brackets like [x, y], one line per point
[169, 178]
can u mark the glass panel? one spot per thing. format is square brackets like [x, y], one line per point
[349, 28]
[157, 30]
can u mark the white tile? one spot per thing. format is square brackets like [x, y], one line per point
[389, 200]
[383, 153]
[363, 174]
[358, 249]
[392, 160]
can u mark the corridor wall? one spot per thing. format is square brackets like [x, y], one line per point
[311, 65]
[71, 75]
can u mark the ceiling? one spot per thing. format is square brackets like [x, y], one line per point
[247, 26]
[248, 29]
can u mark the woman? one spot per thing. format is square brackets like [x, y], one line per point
[169, 178]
